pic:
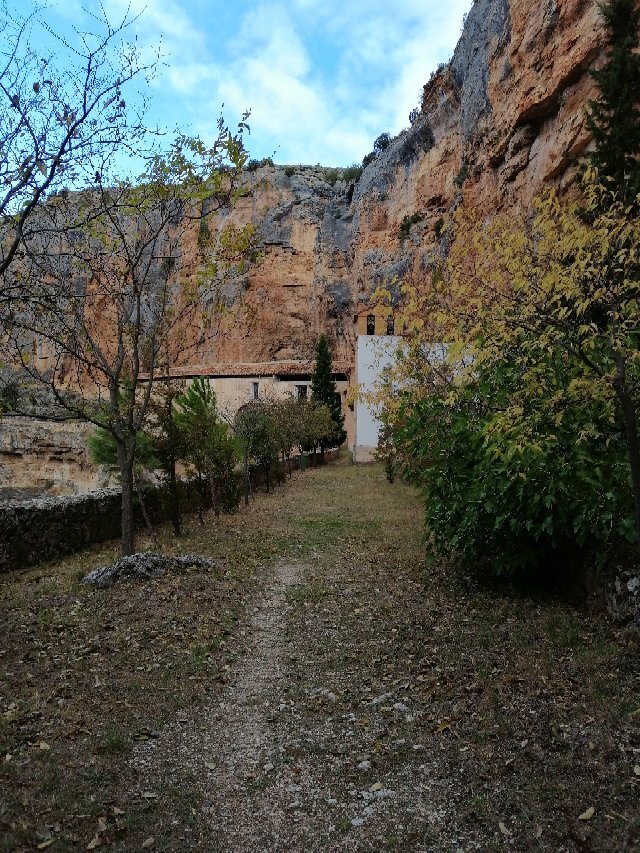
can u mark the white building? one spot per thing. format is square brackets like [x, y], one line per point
[374, 353]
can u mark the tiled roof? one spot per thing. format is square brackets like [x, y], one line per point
[261, 368]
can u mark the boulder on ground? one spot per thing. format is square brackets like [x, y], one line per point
[142, 566]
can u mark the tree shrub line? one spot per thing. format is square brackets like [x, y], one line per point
[187, 427]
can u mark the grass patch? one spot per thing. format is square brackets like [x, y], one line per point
[307, 593]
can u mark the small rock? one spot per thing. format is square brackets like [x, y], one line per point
[268, 767]
[364, 765]
[357, 821]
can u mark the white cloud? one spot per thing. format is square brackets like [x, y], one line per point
[322, 77]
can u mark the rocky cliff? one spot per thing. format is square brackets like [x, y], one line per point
[39, 457]
[504, 118]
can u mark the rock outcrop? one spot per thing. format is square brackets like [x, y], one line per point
[44, 457]
[503, 119]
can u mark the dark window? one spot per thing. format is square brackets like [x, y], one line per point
[256, 388]
[302, 392]
[390, 325]
[371, 324]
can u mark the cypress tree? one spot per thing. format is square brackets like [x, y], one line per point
[323, 391]
[614, 119]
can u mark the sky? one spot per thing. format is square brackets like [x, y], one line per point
[322, 78]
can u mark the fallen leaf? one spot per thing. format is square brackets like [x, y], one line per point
[503, 829]
[538, 833]
[636, 769]
[95, 842]
[44, 844]
[150, 795]
[377, 786]
[149, 842]
[588, 814]
[44, 745]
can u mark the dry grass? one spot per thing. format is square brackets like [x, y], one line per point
[528, 710]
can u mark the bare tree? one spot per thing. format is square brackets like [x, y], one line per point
[107, 301]
[63, 118]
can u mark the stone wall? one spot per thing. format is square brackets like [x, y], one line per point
[34, 531]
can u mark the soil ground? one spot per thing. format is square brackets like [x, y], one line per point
[321, 688]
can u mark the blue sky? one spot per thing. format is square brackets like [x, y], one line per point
[322, 78]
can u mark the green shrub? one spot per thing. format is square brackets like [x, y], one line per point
[382, 142]
[254, 165]
[405, 225]
[547, 489]
[352, 173]
[438, 228]
[368, 158]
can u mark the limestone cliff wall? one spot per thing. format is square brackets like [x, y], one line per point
[44, 457]
[501, 120]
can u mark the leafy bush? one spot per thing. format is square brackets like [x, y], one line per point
[352, 173]
[382, 143]
[515, 491]
[254, 165]
[368, 158]
[438, 228]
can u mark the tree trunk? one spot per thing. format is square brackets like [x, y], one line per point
[630, 417]
[125, 463]
[215, 503]
[266, 475]
[322, 454]
[143, 507]
[174, 497]
[202, 498]
[246, 475]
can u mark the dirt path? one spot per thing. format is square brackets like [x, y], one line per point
[301, 751]
[234, 743]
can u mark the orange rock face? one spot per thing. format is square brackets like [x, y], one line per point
[505, 118]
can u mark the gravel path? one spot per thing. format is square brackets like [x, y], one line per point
[295, 755]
